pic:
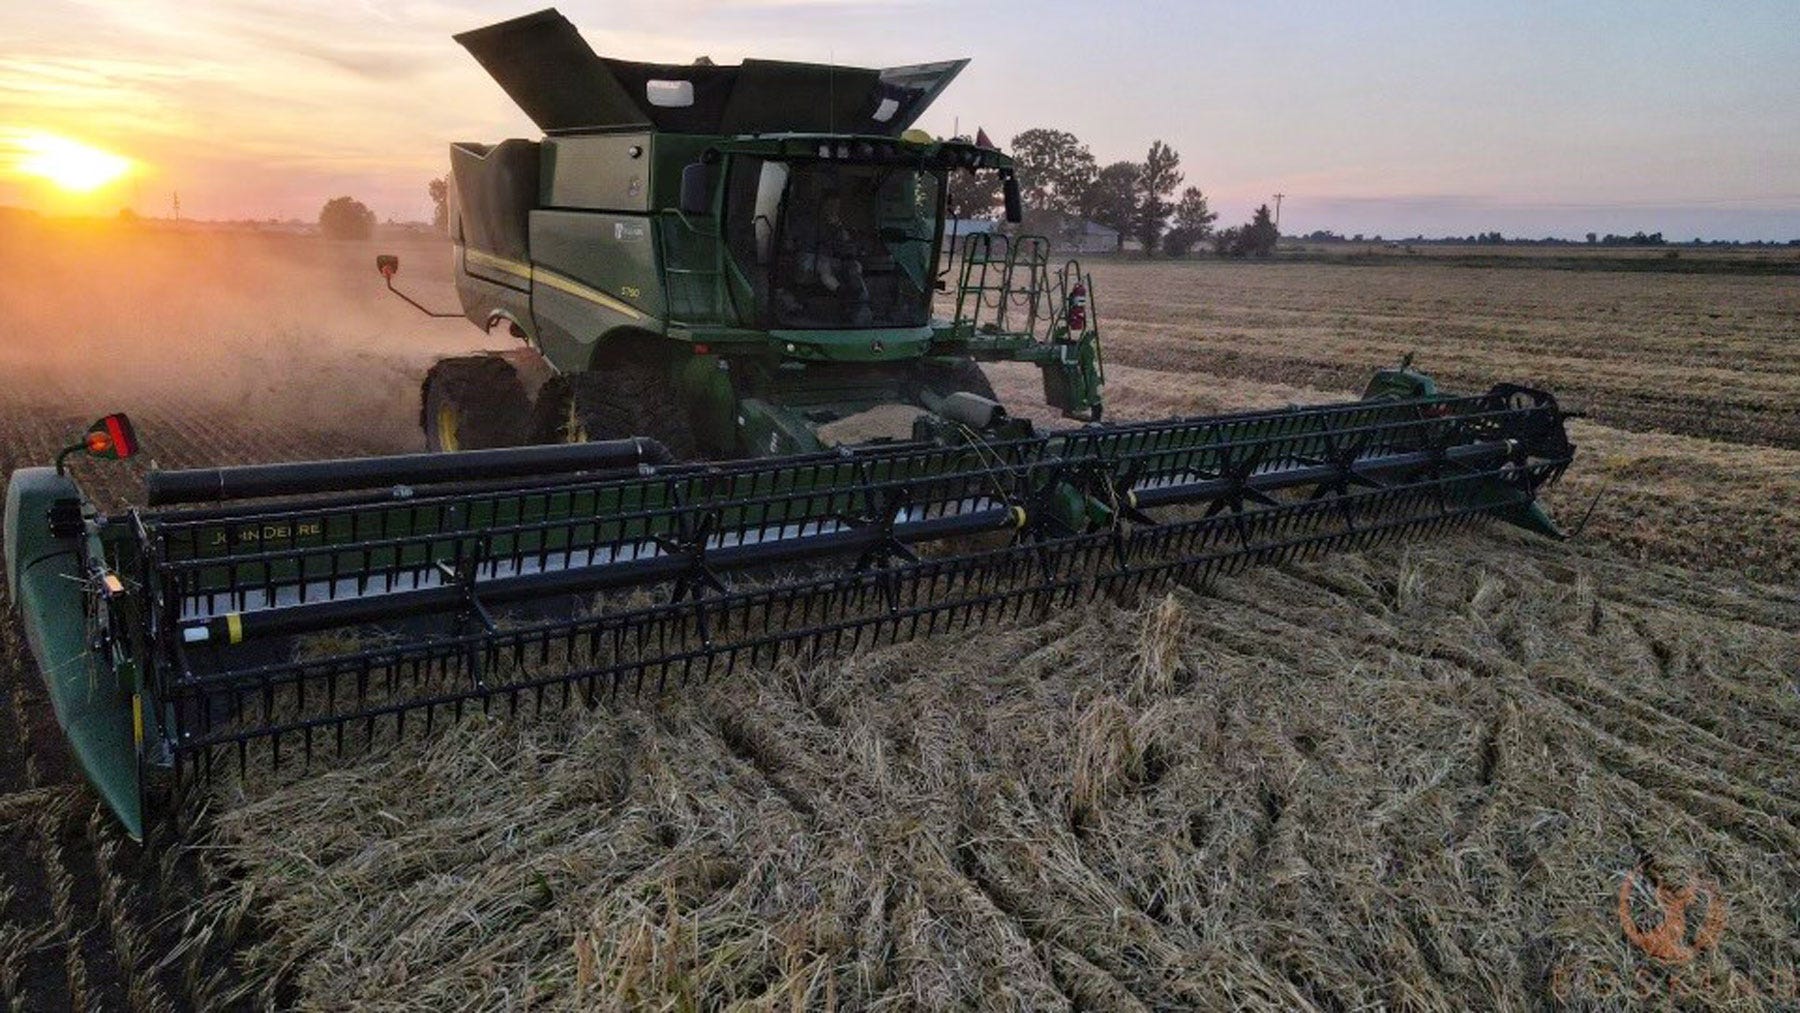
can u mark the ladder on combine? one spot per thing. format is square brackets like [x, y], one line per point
[1011, 305]
[1003, 282]
[1005, 286]
[696, 295]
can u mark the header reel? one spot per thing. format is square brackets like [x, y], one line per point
[266, 613]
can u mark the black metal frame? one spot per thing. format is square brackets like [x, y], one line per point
[1226, 492]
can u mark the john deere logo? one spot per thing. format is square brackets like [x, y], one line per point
[1687, 919]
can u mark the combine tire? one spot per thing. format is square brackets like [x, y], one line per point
[474, 402]
[629, 397]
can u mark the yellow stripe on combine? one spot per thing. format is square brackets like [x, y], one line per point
[580, 291]
[234, 628]
[512, 267]
[562, 283]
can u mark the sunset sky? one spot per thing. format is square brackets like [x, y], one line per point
[1391, 118]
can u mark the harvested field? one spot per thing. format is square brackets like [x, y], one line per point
[1700, 355]
[1420, 777]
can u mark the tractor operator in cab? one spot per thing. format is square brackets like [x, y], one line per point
[827, 258]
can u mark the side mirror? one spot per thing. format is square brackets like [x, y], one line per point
[389, 265]
[1015, 207]
[696, 189]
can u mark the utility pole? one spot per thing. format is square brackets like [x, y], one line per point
[1278, 211]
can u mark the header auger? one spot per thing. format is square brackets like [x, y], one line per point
[280, 612]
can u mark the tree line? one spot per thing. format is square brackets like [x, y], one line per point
[1058, 175]
[1497, 238]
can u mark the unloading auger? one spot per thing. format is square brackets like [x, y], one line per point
[275, 613]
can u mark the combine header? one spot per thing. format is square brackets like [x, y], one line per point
[278, 613]
[353, 600]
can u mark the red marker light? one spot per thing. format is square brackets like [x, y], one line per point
[111, 438]
[700, 349]
[118, 430]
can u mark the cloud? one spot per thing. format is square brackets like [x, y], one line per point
[267, 106]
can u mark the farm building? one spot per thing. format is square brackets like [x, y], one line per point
[1072, 233]
[958, 230]
[1067, 233]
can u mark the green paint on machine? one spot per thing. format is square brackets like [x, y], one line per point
[782, 217]
[61, 601]
[165, 636]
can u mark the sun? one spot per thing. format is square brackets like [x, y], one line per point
[70, 165]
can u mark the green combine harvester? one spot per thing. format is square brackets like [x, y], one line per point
[704, 272]
[734, 261]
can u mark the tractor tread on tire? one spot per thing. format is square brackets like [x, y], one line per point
[474, 402]
[632, 395]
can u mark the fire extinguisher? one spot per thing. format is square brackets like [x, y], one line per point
[1077, 310]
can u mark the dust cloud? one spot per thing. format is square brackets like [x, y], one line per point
[223, 332]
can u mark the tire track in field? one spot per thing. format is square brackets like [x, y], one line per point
[1770, 420]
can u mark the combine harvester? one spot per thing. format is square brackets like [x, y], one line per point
[722, 262]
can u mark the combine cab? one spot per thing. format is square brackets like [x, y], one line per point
[278, 613]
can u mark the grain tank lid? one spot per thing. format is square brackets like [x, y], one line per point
[545, 66]
[543, 63]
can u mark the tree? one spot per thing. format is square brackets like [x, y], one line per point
[1638, 238]
[346, 218]
[1161, 175]
[1258, 238]
[1193, 223]
[1225, 242]
[975, 194]
[1112, 199]
[1055, 169]
[440, 203]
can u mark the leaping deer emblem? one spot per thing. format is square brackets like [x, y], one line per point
[1668, 939]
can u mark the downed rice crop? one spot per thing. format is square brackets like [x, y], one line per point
[1399, 779]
